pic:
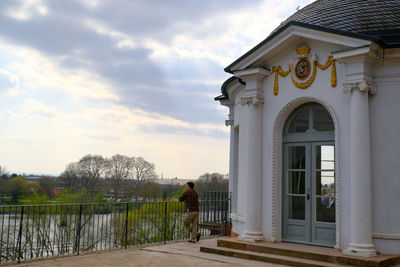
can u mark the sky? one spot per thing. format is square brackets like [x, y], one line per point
[133, 77]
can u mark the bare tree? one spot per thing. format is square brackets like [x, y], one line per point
[212, 182]
[118, 169]
[70, 178]
[142, 172]
[91, 168]
[127, 173]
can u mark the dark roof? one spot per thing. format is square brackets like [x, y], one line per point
[375, 20]
[370, 17]
[225, 85]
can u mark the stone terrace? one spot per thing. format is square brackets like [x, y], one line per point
[173, 254]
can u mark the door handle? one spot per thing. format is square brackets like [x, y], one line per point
[308, 196]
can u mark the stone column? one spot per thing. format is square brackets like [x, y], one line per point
[360, 171]
[252, 101]
[253, 226]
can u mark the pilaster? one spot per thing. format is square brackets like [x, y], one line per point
[359, 87]
[253, 101]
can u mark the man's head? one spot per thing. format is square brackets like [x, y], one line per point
[190, 185]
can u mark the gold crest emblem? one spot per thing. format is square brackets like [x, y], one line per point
[303, 69]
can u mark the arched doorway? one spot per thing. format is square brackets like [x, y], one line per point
[309, 176]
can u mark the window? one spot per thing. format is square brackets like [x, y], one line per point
[309, 118]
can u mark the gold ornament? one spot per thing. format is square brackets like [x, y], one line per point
[304, 54]
[303, 50]
[330, 61]
[309, 82]
[278, 70]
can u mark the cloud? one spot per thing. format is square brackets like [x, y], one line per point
[133, 51]
[27, 9]
[9, 83]
[38, 71]
[33, 106]
[121, 76]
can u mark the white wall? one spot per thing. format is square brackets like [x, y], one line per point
[240, 122]
[385, 151]
[322, 90]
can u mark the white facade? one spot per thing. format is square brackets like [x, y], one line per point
[365, 109]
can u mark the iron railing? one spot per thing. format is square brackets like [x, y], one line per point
[37, 231]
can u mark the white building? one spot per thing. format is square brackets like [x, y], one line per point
[314, 113]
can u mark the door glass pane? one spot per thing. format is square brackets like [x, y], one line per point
[322, 119]
[297, 157]
[325, 196]
[325, 182]
[325, 157]
[326, 208]
[296, 181]
[296, 207]
[300, 122]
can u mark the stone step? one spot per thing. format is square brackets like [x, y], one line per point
[265, 257]
[301, 251]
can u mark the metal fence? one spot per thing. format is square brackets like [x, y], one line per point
[37, 231]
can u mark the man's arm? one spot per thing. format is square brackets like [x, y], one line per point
[183, 196]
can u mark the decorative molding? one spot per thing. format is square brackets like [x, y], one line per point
[364, 86]
[303, 69]
[277, 166]
[368, 87]
[255, 100]
[237, 218]
[386, 236]
[254, 85]
[229, 122]
[386, 79]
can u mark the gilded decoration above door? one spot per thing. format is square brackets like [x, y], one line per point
[303, 69]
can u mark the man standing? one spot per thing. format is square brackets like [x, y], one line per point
[191, 221]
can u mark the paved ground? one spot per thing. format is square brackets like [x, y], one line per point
[173, 254]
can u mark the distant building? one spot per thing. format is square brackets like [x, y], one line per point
[171, 181]
[33, 178]
[314, 116]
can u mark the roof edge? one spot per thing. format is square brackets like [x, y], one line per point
[309, 26]
[225, 85]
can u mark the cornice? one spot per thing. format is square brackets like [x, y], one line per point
[357, 54]
[252, 74]
[227, 102]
